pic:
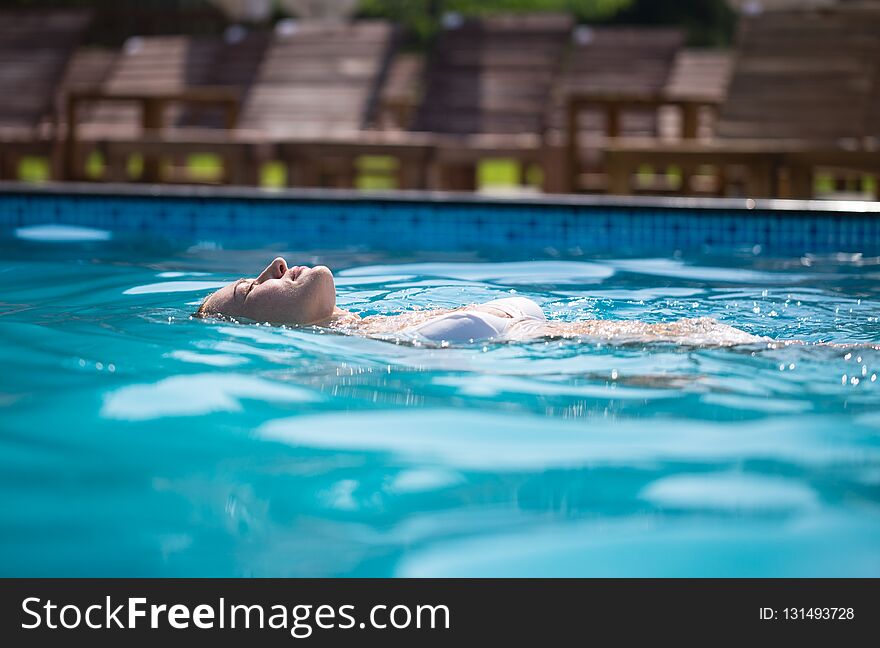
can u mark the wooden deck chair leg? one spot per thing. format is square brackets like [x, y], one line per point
[422, 170]
[116, 169]
[553, 164]
[294, 166]
[721, 174]
[152, 172]
[56, 160]
[348, 172]
[521, 171]
[243, 166]
[760, 181]
[800, 178]
[233, 164]
[620, 169]
[688, 171]
[179, 163]
[4, 165]
[310, 172]
[445, 180]
[335, 172]
[410, 173]
[80, 161]
[459, 177]
[433, 175]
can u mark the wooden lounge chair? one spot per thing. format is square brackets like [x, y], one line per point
[298, 87]
[87, 71]
[488, 87]
[606, 67]
[802, 99]
[34, 50]
[699, 75]
[317, 97]
[317, 78]
[685, 109]
[160, 84]
[149, 65]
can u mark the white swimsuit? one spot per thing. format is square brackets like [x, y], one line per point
[476, 325]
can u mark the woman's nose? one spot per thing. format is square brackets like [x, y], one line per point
[275, 270]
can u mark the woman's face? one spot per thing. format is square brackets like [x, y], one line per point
[280, 295]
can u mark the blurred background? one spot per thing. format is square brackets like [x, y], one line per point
[708, 22]
[757, 98]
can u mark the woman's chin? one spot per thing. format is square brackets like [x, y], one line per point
[321, 271]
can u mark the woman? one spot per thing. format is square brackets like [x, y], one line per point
[304, 296]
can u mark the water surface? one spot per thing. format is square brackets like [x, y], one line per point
[136, 441]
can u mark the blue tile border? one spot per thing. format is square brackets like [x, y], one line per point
[429, 221]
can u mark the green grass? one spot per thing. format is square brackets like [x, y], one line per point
[498, 172]
[33, 169]
[273, 175]
[205, 167]
[507, 172]
[135, 166]
[823, 183]
[376, 172]
[535, 175]
[95, 165]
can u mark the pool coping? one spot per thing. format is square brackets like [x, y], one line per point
[203, 192]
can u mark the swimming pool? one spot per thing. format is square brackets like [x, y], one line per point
[138, 442]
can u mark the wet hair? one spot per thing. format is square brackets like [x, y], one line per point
[202, 310]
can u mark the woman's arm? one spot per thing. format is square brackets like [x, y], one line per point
[698, 332]
[384, 324]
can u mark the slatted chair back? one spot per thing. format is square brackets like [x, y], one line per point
[616, 61]
[696, 75]
[150, 65]
[35, 47]
[700, 74]
[809, 76]
[87, 71]
[493, 75]
[318, 79]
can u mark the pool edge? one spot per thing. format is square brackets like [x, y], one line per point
[445, 197]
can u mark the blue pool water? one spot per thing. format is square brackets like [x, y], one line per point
[136, 441]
